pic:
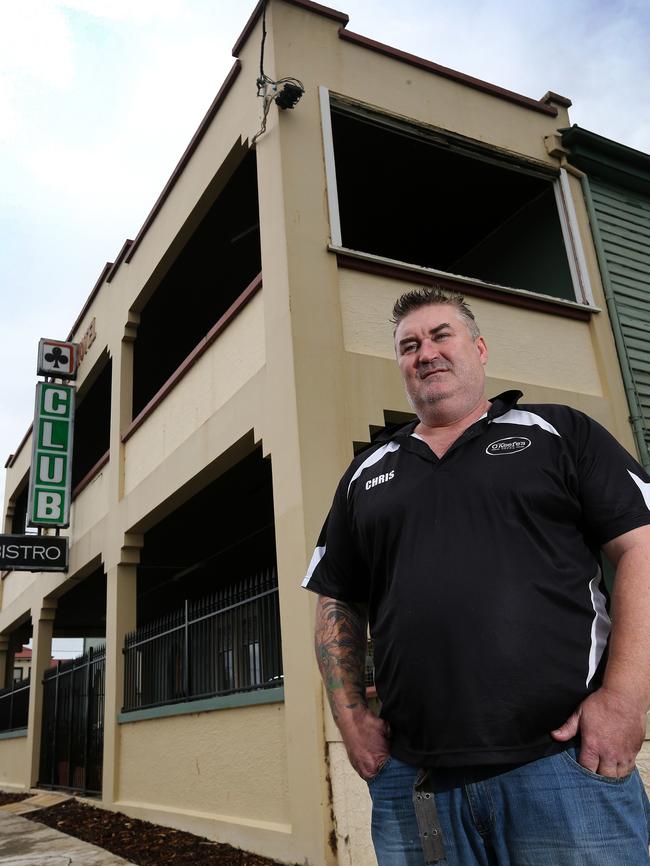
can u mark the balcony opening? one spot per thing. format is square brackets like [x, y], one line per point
[14, 689]
[18, 504]
[92, 420]
[72, 735]
[208, 613]
[225, 532]
[81, 611]
[427, 198]
[220, 259]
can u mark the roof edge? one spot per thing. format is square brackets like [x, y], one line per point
[551, 98]
[13, 457]
[126, 246]
[603, 157]
[309, 5]
[578, 134]
[185, 158]
[445, 72]
[91, 297]
[129, 247]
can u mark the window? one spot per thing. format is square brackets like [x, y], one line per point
[427, 197]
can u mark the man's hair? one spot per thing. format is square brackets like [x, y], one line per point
[433, 295]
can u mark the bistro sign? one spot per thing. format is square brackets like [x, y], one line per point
[33, 553]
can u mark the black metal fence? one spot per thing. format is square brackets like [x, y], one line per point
[14, 706]
[73, 724]
[228, 642]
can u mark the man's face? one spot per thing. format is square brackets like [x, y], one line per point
[440, 361]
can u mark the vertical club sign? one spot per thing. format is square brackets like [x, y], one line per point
[51, 470]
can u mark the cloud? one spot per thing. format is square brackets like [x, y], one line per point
[36, 53]
[99, 98]
[35, 42]
[140, 11]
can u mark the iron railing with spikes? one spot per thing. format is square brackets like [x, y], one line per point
[14, 706]
[225, 643]
[72, 738]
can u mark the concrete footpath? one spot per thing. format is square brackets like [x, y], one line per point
[26, 843]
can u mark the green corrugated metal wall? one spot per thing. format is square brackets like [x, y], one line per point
[623, 224]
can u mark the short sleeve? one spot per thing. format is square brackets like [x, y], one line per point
[614, 488]
[337, 568]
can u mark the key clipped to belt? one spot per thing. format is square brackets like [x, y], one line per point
[427, 817]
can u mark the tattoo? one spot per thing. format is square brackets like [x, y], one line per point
[341, 642]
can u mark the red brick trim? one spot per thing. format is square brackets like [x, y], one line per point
[325, 11]
[13, 457]
[550, 97]
[445, 72]
[194, 356]
[88, 477]
[457, 284]
[126, 246]
[100, 282]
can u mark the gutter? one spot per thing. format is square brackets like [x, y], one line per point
[636, 416]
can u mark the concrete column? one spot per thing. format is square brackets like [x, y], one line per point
[121, 609]
[122, 395]
[305, 425]
[42, 627]
[4, 654]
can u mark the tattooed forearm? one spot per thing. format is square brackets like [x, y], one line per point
[341, 652]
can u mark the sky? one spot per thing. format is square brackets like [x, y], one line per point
[99, 98]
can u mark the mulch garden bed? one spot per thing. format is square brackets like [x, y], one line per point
[6, 798]
[139, 841]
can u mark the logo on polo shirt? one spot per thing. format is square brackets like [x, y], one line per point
[508, 445]
[380, 479]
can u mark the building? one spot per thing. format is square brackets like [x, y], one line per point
[235, 355]
[22, 667]
[616, 187]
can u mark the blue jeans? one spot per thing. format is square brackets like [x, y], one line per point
[550, 812]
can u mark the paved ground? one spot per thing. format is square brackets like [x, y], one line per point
[25, 843]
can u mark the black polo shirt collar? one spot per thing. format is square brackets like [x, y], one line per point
[499, 405]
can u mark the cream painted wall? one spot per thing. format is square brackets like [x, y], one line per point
[352, 808]
[232, 360]
[238, 118]
[13, 753]
[15, 583]
[20, 469]
[305, 367]
[524, 346]
[211, 444]
[91, 505]
[404, 90]
[550, 358]
[229, 764]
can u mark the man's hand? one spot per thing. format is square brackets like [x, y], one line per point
[611, 727]
[611, 721]
[341, 643]
[365, 737]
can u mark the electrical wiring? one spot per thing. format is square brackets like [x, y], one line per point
[285, 92]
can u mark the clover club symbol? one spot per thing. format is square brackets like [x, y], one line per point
[57, 357]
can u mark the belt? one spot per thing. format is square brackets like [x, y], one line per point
[427, 817]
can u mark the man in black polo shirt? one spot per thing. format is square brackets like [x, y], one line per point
[470, 539]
